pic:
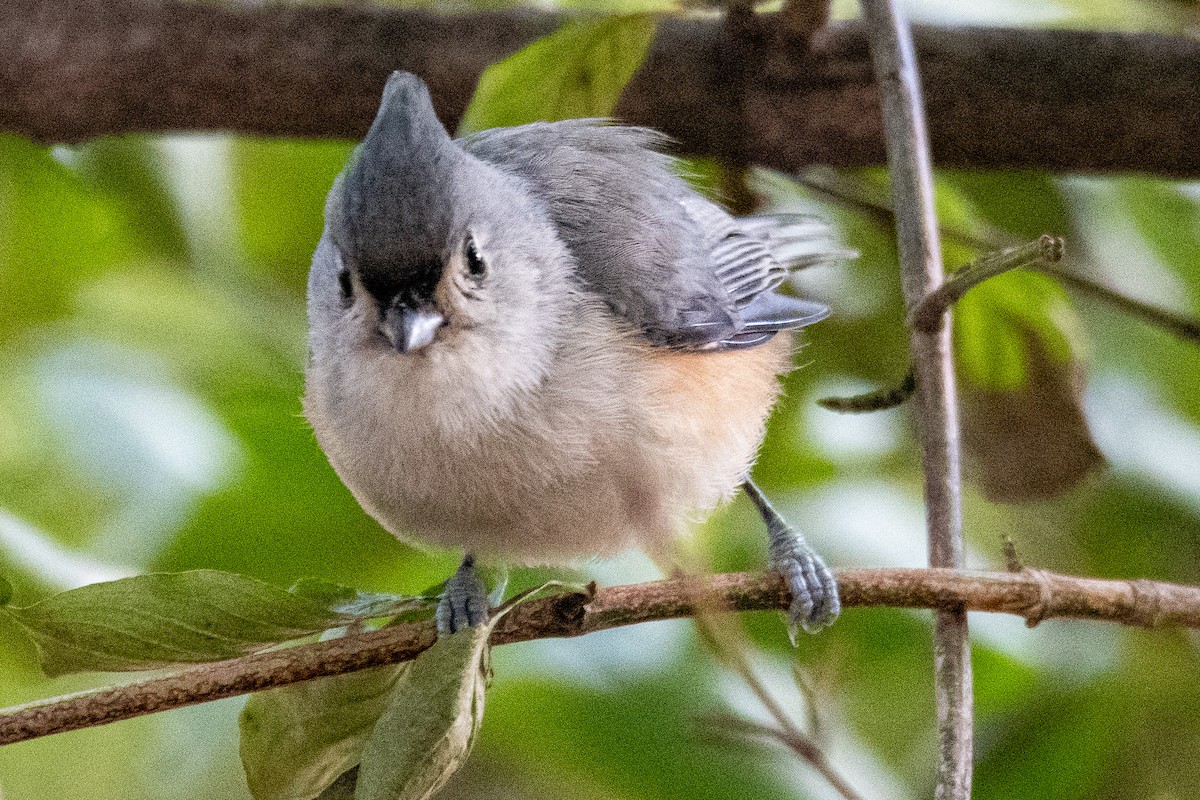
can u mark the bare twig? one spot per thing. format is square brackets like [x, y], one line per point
[921, 272]
[928, 314]
[1033, 595]
[795, 740]
[877, 400]
[733, 655]
[1180, 325]
[1059, 100]
[847, 193]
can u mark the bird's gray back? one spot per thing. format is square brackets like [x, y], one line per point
[630, 222]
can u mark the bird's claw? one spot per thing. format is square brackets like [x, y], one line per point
[464, 601]
[815, 602]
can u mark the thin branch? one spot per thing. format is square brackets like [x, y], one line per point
[795, 740]
[733, 655]
[1179, 325]
[1034, 595]
[921, 272]
[852, 196]
[1061, 100]
[927, 316]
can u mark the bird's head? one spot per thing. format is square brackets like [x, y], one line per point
[427, 243]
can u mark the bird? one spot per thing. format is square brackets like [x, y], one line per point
[539, 344]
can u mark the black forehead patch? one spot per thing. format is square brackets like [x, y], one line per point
[412, 279]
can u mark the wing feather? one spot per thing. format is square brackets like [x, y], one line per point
[680, 268]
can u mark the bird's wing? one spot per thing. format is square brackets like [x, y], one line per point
[745, 257]
[676, 266]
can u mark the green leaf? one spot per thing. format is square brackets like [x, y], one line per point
[297, 741]
[279, 188]
[55, 231]
[1017, 343]
[578, 71]
[154, 620]
[133, 174]
[993, 324]
[306, 741]
[429, 727]
[1025, 204]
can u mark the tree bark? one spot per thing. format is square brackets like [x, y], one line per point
[1057, 100]
[1033, 594]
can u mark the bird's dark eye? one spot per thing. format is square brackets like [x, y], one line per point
[345, 284]
[475, 263]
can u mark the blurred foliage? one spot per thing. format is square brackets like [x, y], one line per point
[151, 360]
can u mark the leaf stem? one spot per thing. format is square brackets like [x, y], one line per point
[877, 400]
[921, 272]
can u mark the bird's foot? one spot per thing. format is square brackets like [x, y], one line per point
[464, 602]
[815, 602]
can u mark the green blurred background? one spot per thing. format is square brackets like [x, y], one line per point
[151, 356]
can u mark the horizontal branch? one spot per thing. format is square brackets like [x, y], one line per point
[1033, 594]
[1058, 100]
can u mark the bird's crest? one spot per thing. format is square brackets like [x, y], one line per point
[397, 191]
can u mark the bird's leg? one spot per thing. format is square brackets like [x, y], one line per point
[815, 602]
[464, 602]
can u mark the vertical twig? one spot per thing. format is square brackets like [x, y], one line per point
[921, 272]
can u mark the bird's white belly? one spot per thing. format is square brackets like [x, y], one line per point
[550, 484]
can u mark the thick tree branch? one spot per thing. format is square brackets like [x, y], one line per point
[1033, 594]
[1058, 100]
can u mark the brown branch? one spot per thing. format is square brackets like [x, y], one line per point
[844, 192]
[1058, 100]
[1033, 594]
[1182, 326]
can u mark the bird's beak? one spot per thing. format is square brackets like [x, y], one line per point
[410, 329]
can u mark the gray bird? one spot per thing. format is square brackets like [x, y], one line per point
[539, 343]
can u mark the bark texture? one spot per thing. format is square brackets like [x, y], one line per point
[1057, 100]
[1033, 594]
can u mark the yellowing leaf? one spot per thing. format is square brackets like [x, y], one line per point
[578, 71]
[1020, 386]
